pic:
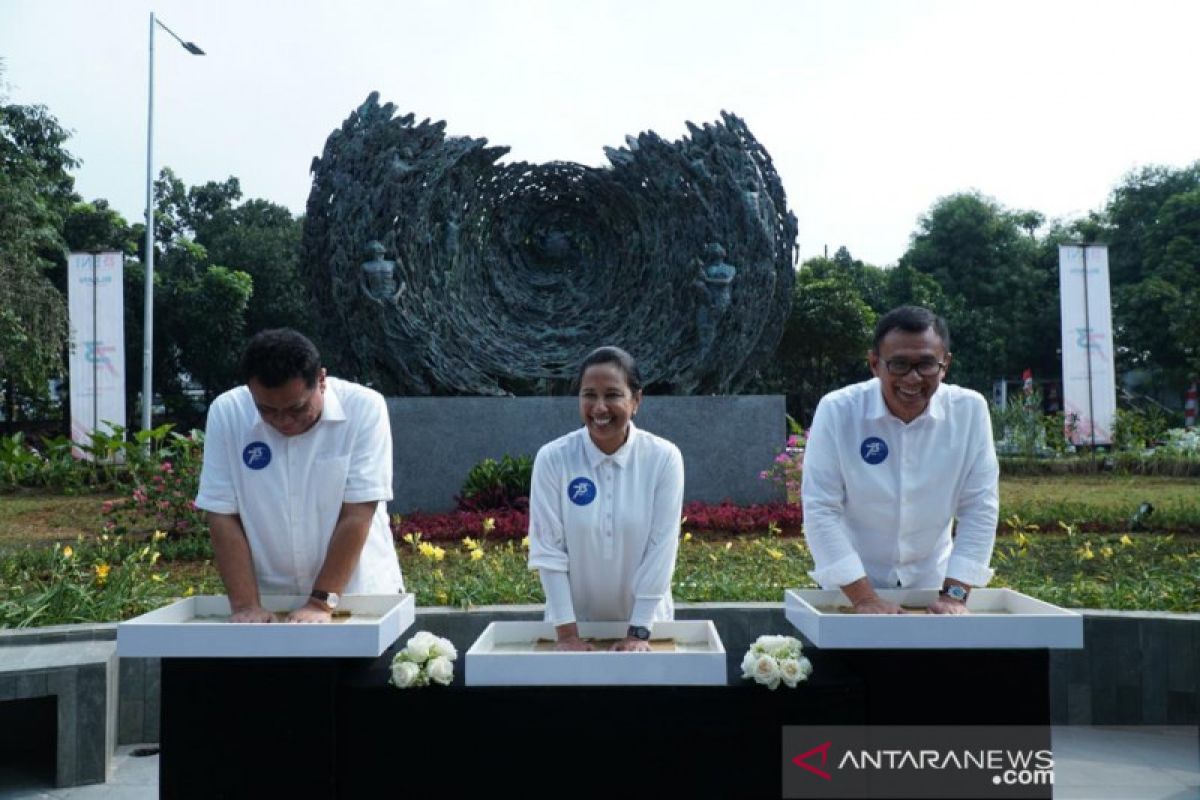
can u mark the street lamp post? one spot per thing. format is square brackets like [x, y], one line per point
[148, 312]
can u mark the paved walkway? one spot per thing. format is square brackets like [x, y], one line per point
[1091, 763]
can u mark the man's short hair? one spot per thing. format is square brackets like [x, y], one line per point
[912, 319]
[274, 357]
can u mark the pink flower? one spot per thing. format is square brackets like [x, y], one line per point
[782, 458]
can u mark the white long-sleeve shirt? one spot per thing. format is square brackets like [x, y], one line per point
[604, 529]
[880, 496]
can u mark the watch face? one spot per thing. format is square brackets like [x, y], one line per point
[957, 592]
[639, 632]
[332, 600]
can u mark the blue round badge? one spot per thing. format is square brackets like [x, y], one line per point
[873, 450]
[581, 491]
[256, 455]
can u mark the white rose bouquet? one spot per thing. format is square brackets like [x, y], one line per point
[772, 660]
[426, 658]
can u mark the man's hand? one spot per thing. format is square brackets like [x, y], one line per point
[312, 611]
[877, 605]
[568, 639]
[255, 613]
[947, 605]
[630, 644]
[862, 594]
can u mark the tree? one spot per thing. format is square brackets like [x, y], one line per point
[1000, 305]
[35, 190]
[825, 339]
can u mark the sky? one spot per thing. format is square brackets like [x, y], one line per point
[872, 110]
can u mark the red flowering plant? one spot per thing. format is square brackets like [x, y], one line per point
[163, 493]
[727, 517]
[787, 467]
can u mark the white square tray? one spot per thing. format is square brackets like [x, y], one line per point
[504, 655]
[1000, 619]
[197, 627]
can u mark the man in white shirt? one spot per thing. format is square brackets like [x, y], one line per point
[889, 465]
[297, 471]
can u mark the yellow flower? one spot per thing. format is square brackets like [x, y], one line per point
[775, 554]
[438, 554]
[159, 536]
[687, 537]
[476, 555]
[68, 552]
[408, 537]
[489, 525]
[156, 578]
[1125, 540]
[470, 543]
[425, 549]
[154, 558]
[1085, 552]
[525, 543]
[729, 545]
[102, 571]
[191, 590]
[1106, 551]
[443, 598]
[1022, 541]
[772, 528]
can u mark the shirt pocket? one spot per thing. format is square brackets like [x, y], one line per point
[329, 484]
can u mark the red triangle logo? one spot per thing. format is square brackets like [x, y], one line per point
[802, 760]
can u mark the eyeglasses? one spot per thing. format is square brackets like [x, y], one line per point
[296, 412]
[926, 369]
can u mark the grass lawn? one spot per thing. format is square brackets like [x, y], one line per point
[1089, 562]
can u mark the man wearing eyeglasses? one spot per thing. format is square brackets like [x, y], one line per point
[296, 478]
[891, 463]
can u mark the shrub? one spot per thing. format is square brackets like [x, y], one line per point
[499, 484]
[162, 496]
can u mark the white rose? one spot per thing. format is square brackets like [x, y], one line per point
[440, 670]
[805, 667]
[766, 671]
[748, 663]
[444, 648]
[791, 672]
[419, 645]
[405, 674]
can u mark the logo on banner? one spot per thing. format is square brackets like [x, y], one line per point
[581, 491]
[802, 760]
[873, 450]
[1091, 342]
[100, 354]
[256, 455]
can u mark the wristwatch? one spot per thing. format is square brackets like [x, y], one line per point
[638, 632]
[956, 592]
[330, 599]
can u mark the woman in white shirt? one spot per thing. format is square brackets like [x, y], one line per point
[604, 511]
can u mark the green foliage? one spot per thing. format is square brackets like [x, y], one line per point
[495, 484]
[161, 499]
[825, 339]
[35, 190]
[110, 460]
[107, 579]
[1079, 570]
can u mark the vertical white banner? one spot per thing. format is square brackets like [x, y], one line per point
[96, 300]
[1089, 377]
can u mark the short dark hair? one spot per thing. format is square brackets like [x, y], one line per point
[913, 319]
[274, 357]
[610, 355]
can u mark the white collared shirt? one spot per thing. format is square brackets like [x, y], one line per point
[289, 490]
[880, 496]
[606, 527]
